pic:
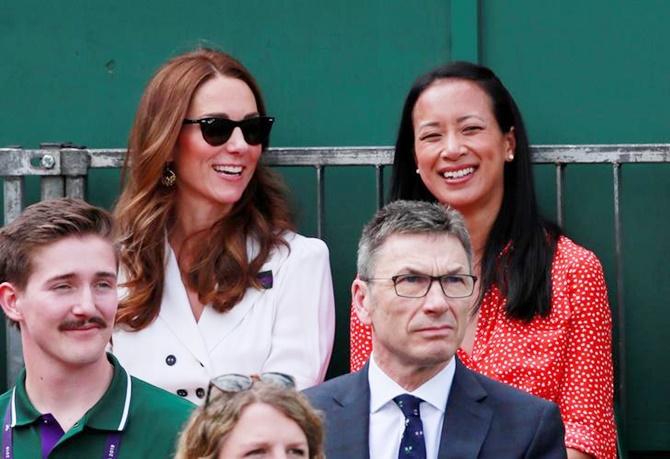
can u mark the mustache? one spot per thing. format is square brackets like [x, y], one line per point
[81, 323]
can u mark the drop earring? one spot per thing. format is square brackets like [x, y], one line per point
[169, 178]
[417, 171]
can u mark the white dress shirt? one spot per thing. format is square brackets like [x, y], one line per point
[287, 328]
[387, 423]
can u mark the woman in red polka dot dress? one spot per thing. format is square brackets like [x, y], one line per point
[543, 322]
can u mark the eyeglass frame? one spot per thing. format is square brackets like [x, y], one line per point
[280, 380]
[395, 278]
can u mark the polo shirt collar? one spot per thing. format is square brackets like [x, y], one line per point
[109, 413]
[434, 391]
[23, 411]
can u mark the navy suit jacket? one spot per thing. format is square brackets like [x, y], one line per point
[483, 419]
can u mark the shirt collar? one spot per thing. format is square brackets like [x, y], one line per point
[23, 411]
[435, 391]
[110, 413]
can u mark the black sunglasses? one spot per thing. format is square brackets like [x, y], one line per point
[216, 130]
[238, 383]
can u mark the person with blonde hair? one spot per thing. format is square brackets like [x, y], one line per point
[263, 416]
[216, 280]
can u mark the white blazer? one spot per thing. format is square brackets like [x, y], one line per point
[287, 328]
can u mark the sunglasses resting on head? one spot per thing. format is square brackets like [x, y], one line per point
[217, 130]
[238, 383]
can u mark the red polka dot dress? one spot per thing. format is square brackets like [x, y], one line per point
[565, 358]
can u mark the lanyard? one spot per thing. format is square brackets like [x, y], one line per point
[111, 445]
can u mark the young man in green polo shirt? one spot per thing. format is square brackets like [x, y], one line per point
[58, 268]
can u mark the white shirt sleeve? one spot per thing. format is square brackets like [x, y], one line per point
[304, 325]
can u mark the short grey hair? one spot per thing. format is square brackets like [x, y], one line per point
[408, 217]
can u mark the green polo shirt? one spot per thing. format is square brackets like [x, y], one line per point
[150, 419]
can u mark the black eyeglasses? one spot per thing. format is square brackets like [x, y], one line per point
[238, 383]
[418, 285]
[216, 130]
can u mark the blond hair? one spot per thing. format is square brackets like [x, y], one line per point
[210, 425]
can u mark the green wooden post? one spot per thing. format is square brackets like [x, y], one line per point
[465, 30]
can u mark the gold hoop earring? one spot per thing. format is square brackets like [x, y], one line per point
[169, 178]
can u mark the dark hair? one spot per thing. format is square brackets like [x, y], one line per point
[222, 271]
[519, 249]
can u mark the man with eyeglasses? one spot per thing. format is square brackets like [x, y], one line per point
[414, 399]
[58, 268]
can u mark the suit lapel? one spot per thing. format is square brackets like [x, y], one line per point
[466, 420]
[350, 422]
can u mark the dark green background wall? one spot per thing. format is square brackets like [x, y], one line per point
[596, 72]
[335, 74]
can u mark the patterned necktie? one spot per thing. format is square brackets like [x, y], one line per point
[412, 445]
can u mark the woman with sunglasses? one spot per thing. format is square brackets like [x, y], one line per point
[215, 279]
[543, 322]
[262, 416]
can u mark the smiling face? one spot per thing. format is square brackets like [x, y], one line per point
[66, 311]
[410, 334]
[211, 179]
[459, 148]
[263, 431]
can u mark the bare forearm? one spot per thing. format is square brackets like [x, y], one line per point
[575, 454]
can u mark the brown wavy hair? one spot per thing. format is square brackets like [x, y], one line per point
[45, 223]
[210, 425]
[221, 271]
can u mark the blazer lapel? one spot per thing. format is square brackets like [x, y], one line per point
[466, 420]
[215, 327]
[176, 313]
[350, 419]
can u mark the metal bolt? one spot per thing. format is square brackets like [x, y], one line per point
[48, 162]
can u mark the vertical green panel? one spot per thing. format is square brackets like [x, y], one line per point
[586, 72]
[350, 203]
[583, 71]
[545, 178]
[465, 30]
[646, 200]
